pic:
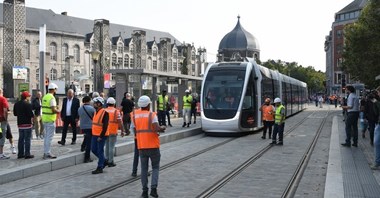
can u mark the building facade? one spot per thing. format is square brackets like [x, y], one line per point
[70, 40]
[336, 77]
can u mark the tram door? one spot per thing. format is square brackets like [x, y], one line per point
[248, 116]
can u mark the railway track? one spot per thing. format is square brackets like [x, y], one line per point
[292, 186]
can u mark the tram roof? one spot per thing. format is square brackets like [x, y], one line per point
[155, 73]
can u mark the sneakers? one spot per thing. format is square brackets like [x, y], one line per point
[375, 167]
[88, 160]
[262, 137]
[188, 124]
[145, 194]
[195, 122]
[170, 125]
[97, 171]
[184, 124]
[273, 143]
[153, 192]
[61, 143]
[29, 156]
[13, 150]
[49, 156]
[3, 157]
[346, 145]
[134, 174]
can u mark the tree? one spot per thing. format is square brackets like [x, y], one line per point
[361, 55]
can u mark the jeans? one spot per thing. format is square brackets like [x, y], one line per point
[4, 129]
[161, 117]
[193, 112]
[24, 142]
[167, 113]
[278, 129]
[154, 155]
[98, 149]
[186, 115]
[376, 143]
[110, 147]
[352, 127]
[267, 125]
[69, 120]
[371, 129]
[87, 142]
[135, 158]
[49, 128]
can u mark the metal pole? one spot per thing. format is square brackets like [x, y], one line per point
[95, 77]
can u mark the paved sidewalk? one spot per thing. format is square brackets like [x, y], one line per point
[349, 173]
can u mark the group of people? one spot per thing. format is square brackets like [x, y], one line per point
[273, 116]
[368, 110]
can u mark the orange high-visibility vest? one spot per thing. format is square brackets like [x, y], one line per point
[147, 138]
[268, 112]
[113, 123]
[97, 123]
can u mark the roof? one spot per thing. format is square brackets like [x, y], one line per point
[67, 24]
[353, 6]
[239, 38]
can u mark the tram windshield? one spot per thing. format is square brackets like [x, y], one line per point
[223, 89]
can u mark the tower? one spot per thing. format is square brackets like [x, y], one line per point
[14, 15]
[103, 44]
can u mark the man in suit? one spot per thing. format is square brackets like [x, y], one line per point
[36, 105]
[69, 116]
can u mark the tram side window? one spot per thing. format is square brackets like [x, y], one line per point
[267, 88]
[248, 98]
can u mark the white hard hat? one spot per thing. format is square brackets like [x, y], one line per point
[277, 100]
[144, 101]
[95, 94]
[52, 86]
[111, 100]
[98, 99]
[187, 91]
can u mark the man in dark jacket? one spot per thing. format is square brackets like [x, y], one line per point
[69, 116]
[23, 111]
[36, 105]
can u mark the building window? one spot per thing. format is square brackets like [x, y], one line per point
[339, 62]
[64, 72]
[165, 69]
[132, 49]
[76, 54]
[120, 62]
[114, 59]
[155, 65]
[53, 51]
[339, 48]
[65, 51]
[120, 48]
[175, 54]
[38, 49]
[132, 63]
[154, 51]
[192, 55]
[126, 61]
[92, 72]
[53, 74]
[339, 34]
[38, 75]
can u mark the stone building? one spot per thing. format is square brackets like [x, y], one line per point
[70, 40]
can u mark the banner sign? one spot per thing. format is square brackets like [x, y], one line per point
[20, 72]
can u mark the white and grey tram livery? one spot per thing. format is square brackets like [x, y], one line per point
[232, 93]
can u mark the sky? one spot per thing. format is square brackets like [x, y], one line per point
[291, 31]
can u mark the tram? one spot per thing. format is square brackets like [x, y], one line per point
[232, 93]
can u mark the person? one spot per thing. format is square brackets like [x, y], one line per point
[47, 81]
[162, 101]
[268, 117]
[376, 141]
[49, 115]
[9, 136]
[145, 125]
[99, 133]
[279, 123]
[193, 111]
[167, 113]
[73, 87]
[114, 124]
[4, 107]
[320, 101]
[363, 120]
[371, 115]
[69, 116]
[187, 99]
[335, 101]
[24, 112]
[127, 106]
[86, 113]
[351, 120]
[37, 120]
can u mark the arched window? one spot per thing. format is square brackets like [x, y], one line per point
[175, 54]
[65, 51]
[53, 51]
[132, 49]
[38, 75]
[38, 49]
[126, 61]
[76, 54]
[27, 49]
[114, 59]
[154, 51]
[53, 74]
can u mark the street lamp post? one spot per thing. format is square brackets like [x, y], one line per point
[95, 54]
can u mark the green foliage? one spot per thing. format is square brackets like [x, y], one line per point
[309, 75]
[361, 56]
